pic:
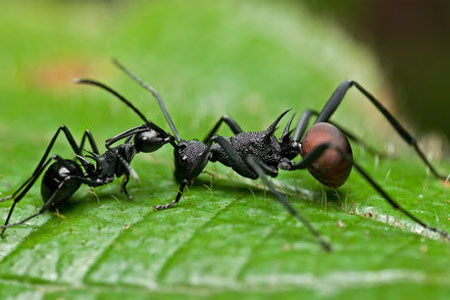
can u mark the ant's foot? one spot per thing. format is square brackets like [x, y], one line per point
[124, 190]
[163, 206]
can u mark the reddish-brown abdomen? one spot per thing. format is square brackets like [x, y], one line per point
[331, 169]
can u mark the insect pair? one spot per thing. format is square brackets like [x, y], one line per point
[324, 148]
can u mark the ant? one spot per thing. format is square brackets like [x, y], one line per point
[325, 150]
[64, 176]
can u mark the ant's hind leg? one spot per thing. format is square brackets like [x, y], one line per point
[339, 94]
[316, 154]
[87, 134]
[53, 197]
[232, 124]
[72, 143]
[257, 168]
[23, 190]
[44, 208]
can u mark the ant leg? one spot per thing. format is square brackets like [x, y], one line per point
[229, 121]
[41, 211]
[184, 183]
[72, 143]
[70, 139]
[337, 97]
[124, 186]
[24, 191]
[127, 133]
[280, 197]
[129, 139]
[314, 155]
[303, 124]
[189, 176]
[129, 168]
[52, 198]
[87, 134]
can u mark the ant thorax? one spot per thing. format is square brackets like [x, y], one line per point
[261, 145]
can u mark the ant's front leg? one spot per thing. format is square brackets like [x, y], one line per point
[189, 174]
[123, 186]
[128, 171]
[126, 134]
[184, 183]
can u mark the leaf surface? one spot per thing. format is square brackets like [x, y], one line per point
[228, 236]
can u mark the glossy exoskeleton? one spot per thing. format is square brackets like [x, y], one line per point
[63, 177]
[325, 151]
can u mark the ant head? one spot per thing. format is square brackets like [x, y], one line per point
[191, 158]
[331, 169]
[149, 141]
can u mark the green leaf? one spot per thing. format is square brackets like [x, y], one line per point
[228, 237]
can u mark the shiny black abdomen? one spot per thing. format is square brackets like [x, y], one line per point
[54, 176]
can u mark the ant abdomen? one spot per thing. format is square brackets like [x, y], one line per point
[331, 169]
[54, 176]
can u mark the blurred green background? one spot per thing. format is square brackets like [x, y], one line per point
[227, 237]
[411, 42]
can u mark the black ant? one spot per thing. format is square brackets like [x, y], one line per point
[325, 151]
[64, 176]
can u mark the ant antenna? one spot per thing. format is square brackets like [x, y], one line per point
[124, 100]
[155, 94]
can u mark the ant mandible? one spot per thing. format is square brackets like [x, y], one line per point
[64, 176]
[325, 150]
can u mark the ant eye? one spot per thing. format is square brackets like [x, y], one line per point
[182, 146]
